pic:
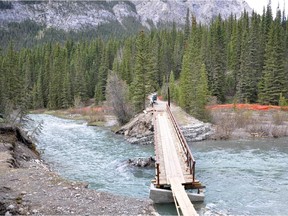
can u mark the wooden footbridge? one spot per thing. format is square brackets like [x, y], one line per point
[175, 165]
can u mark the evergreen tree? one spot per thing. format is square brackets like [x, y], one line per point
[138, 84]
[202, 93]
[178, 54]
[37, 94]
[78, 71]
[189, 77]
[234, 56]
[218, 67]
[273, 81]
[187, 26]
[173, 87]
[100, 88]
[2, 86]
[11, 71]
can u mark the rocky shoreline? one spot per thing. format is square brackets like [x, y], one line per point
[28, 186]
[140, 129]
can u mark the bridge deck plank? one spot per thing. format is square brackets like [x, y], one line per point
[172, 166]
[170, 155]
[171, 161]
[181, 197]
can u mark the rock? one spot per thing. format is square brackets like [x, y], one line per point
[147, 13]
[139, 130]
[23, 193]
[10, 207]
[8, 213]
[142, 162]
[197, 132]
[34, 211]
[21, 211]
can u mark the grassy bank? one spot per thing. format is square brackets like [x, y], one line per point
[95, 116]
[235, 122]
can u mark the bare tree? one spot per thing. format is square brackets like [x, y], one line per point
[117, 97]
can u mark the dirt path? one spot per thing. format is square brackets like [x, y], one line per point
[28, 186]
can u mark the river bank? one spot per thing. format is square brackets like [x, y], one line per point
[227, 122]
[246, 123]
[28, 186]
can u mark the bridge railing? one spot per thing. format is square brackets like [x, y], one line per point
[188, 154]
[156, 149]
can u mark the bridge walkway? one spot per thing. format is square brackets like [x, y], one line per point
[175, 165]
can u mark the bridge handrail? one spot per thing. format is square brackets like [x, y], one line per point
[156, 148]
[189, 157]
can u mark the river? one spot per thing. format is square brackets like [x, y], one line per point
[242, 177]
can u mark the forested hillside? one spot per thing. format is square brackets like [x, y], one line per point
[236, 60]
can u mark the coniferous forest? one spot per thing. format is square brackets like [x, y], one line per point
[228, 61]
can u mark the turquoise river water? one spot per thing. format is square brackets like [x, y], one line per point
[247, 177]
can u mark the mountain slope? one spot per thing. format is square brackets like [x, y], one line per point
[75, 15]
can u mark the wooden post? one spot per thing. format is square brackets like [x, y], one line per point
[158, 175]
[168, 96]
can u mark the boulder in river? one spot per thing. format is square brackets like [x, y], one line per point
[142, 162]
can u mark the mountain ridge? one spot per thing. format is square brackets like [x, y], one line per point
[76, 15]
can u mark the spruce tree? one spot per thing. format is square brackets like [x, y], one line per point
[273, 81]
[187, 26]
[172, 87]
[191, 66]
[37, 94]
[202, 93]
[233, 54]
[100, 88]
[218, 66]
[138, 84]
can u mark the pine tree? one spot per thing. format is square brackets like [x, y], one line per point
[126, 62]
[178, 54]
[173, 87]
[66, 97]
[202, 93]
[273, 81]
[187, 26]
[218, 66]
[151, 68]
[138, 84]
[190, 71]
[37, 94]
[100, 88]
[2, 86]
[78, 71]
[234, 54]
[13, 79]
[46, 68]
[242, 75]
[254, 69]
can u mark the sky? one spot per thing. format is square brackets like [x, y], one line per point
[258, 5]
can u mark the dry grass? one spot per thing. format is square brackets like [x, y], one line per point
[258, 130]
[279, 131]
[93, 115]
[243, 118]
[279, 117]
[256, 123]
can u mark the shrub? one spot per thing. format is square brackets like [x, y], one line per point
[279, 131]
[259, 130]
[278, 118]
[243, 118]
